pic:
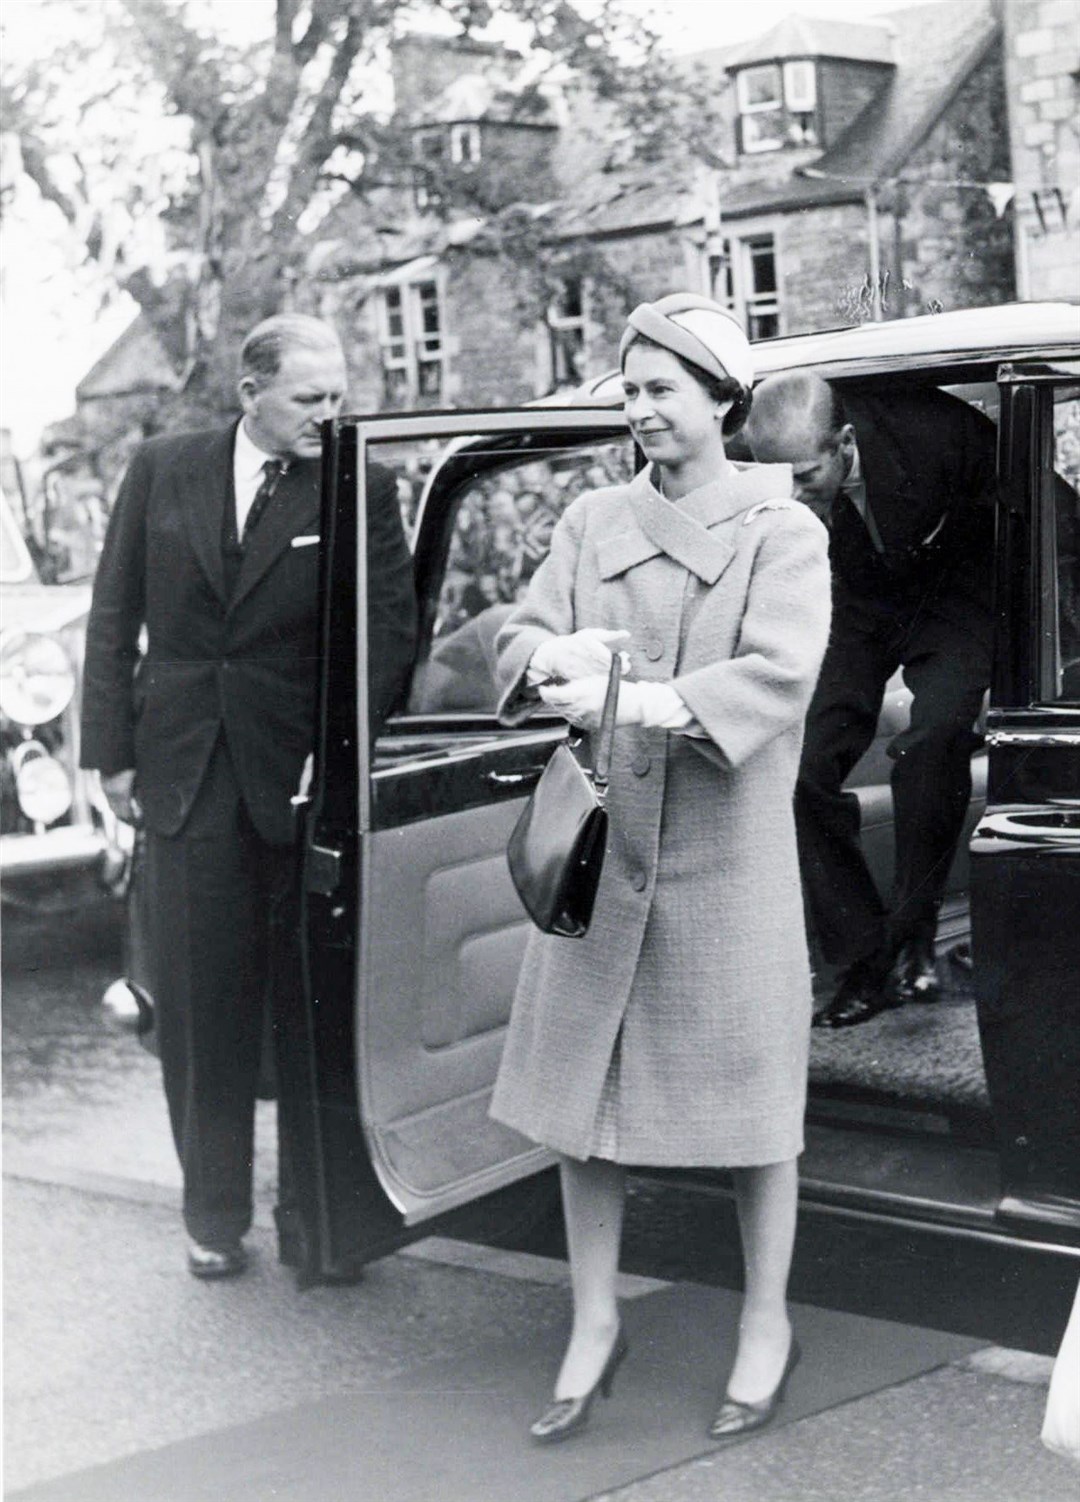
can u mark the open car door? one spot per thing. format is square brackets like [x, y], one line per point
[413, 932]
[1026, 849]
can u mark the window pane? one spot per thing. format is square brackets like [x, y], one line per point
[799, 90]
[568, 356]
[395, 385]
[1067, 540]
[721, 277]
[763, 132]
[763, 325]
[762, 259]
[759, 88]
[501, 533]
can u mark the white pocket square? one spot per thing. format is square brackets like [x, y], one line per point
[308, 540]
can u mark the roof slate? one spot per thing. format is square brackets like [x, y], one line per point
[935, 48]
[809, 36]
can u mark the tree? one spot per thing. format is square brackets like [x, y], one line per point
[192, 166]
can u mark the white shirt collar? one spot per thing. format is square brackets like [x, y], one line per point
[854, 475]
[248, 458]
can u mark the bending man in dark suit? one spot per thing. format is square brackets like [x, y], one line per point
[906, 484]
[212, 549]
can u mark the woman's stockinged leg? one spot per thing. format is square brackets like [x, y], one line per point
[593, 1194]
[766, 1198]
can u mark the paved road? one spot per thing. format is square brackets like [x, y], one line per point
[111, 1349]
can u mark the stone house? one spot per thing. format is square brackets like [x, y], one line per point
[1042, 66]
[863, 173]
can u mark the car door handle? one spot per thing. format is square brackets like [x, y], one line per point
[515, 779]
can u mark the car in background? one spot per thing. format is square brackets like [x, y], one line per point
[59, 843]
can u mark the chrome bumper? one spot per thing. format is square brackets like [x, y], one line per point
[69, 848]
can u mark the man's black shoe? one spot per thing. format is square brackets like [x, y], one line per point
[861, 994]
[214, 1262]
[913, 976]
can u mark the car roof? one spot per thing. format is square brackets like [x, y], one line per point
[1010, 331]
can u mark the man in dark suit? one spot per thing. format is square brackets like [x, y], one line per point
[201, 730]
[906, 484]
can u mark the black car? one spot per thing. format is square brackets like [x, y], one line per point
[964, 1116]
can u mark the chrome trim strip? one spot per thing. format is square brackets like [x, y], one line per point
[1033, 738]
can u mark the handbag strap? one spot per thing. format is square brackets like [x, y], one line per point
[606, 737]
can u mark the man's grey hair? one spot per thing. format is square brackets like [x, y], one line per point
[264, 347]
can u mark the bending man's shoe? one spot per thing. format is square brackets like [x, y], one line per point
[914, 976]
[210, 1262]
[861, 994]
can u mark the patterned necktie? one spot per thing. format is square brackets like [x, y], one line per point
[273, 469]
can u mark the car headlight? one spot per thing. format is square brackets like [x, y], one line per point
[42, 786]
[37, 679]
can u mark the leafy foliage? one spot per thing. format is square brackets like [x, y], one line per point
[191, 166]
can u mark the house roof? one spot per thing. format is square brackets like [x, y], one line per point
[134, 363]
[935, 49]
[808, 36]
[474, 96]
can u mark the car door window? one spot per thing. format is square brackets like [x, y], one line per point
[500, 533]
[1064, 644]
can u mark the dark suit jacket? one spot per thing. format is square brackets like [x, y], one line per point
[929, 465]
[245, 666]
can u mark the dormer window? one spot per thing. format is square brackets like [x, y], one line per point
[777, 106]
[465, 144]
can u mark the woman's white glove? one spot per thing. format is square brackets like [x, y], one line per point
[581, 655]
[582, 701]
[653, 705]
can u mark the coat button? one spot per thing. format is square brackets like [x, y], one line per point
[638, 881]
[654, 649]
[641, 764]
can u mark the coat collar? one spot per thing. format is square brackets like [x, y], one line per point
[688, 532]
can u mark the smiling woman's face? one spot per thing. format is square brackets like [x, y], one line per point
[670, 414]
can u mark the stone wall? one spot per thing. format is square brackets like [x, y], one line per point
[945, 246]
[823, 261]
[1042, 50]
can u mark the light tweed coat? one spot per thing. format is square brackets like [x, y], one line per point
[696, 954]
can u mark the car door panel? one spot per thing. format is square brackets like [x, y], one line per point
[1026, 849]
[431, 933]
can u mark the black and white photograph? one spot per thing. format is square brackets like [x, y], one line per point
[540, 750]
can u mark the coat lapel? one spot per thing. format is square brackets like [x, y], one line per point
[689, 532]
[293, 510]
[205, 488]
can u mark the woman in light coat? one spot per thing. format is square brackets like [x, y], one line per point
[677, 1031]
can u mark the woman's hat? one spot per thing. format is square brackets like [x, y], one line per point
[699, 330]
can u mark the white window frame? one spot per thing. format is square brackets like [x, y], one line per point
[460, 133]
[795, 95]
[800, 99]
[564, 327]
[734, 262]
[414, 352]
[746, 106]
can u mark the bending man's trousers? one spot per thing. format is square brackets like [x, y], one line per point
[943, 646]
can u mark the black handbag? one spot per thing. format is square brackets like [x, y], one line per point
[556, 849]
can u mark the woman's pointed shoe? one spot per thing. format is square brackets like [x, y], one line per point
[567, 1415]
[734, 1418]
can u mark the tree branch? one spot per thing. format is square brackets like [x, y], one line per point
[179, 59]
[316, 142]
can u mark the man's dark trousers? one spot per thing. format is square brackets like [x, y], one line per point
[223, 910]
[943, 641]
